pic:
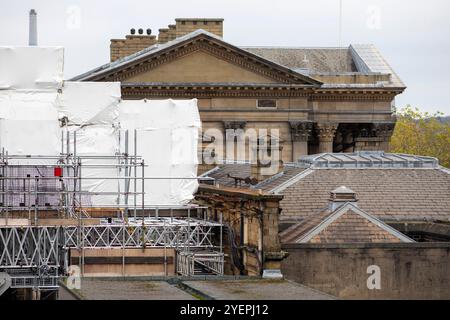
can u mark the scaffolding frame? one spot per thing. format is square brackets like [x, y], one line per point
[36, 256]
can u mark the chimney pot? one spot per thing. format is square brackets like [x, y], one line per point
[140, 31]
[133, 31]
[149, 31]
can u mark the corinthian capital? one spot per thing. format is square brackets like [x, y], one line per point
[384, 129]
[234, 125]
[326, 130]
[301, 130]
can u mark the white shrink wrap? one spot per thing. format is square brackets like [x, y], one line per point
[31, 68]
[85, 103]
[29, 124]
[97, 140]
[167, 133]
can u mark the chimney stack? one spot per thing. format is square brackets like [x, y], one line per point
[32, 37]
[340, 196]
[140, 39]
[266, 157]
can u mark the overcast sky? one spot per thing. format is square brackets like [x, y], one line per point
[414, 36]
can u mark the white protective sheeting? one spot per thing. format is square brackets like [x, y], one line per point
[86, 103]
[97, 140]
[29, 124]
[33, 98]
[167, 133]
[31, 68]
[92, 111]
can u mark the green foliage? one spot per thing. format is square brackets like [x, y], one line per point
[422, 133]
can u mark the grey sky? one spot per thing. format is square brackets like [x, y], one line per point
[414, 36]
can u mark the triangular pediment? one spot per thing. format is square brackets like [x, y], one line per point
[340, 226]
[200, 67]
[198, 57]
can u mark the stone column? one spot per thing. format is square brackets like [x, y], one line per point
[384, 131]
[300, 133]
[325, 133]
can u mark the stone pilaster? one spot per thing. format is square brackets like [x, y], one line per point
[325, 133]
[266, 160]
[300, 133]
[234, 139]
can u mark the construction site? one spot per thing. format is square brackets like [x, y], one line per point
[189, 168]
[91, 185]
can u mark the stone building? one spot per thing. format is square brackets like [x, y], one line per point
[409, 192]
[392, 217]
[319, 99]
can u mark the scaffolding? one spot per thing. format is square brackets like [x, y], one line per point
[36, 255]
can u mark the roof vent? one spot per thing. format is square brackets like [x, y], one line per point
[340, 196]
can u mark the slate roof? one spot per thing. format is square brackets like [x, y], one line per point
[390, 194]
[357, 58]
[302, 62]
[221, 175]
[308, 60]
[392, 187]
[158, 48]
[346, 224]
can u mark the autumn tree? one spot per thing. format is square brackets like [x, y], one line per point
[422, 133]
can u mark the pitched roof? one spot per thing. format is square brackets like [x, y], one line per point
[306, 64]
[355, 59]
[158, 48]
[308, 60]
[226, 174]
[390, 194]
[392, 187]
[346, 224]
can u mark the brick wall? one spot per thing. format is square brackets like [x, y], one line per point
[132, 43]
[185, 26]
[407, 271]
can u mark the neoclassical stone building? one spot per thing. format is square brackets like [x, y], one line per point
[320, 99]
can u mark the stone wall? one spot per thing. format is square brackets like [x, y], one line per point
[250, 218]
[407, 271]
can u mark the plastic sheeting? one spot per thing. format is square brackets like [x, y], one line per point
[86, 103]
[97, 140]
[167, 137]
[33, 99]
[29, 124]
[31, 68]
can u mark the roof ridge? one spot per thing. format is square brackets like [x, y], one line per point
[343, 209]
[292, 180]
[294, 47]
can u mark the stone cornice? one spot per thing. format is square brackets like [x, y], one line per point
[192, 90]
